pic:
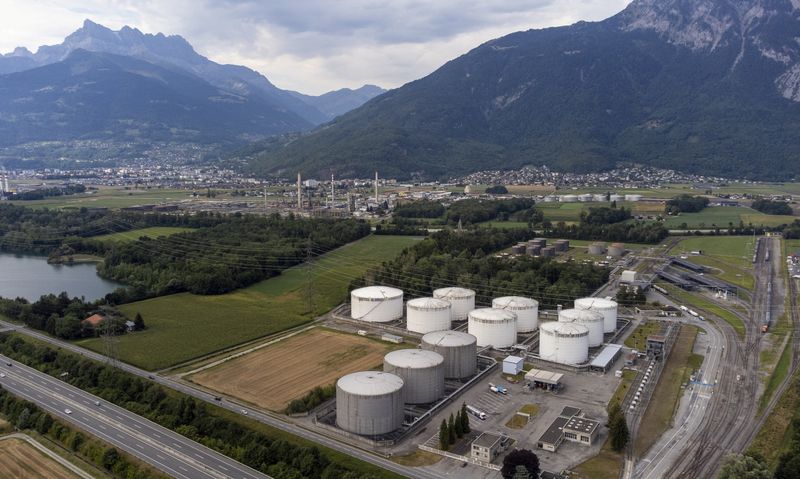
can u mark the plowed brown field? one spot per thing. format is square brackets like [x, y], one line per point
[20, 459]
[273, 376]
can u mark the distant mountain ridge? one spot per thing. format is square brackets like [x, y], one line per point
[704, 86]
[282, 111]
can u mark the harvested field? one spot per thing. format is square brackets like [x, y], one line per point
[20, 459]
[273, 376]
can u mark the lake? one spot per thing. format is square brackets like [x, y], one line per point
[30, 277]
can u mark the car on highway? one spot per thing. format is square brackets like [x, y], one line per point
[2, 375]
[97, 403]
[68, 411]
[244, 412]
[9, 364]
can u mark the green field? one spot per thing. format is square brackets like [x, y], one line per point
[134, 235]
[695, 301]
[183, 326]
[730, 256]
[111, 198]
[724, 216]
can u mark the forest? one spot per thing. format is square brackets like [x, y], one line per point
[208, 425]
[770, 207]
[448, 258]
[476, 211]
[686, 204]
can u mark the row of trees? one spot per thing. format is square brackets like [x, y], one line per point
[419, 209]
[206, 424]
[476, 211]
[772, 207]
[618, 428]
[627, 232]
[686, 204]
[312, 399]
[447, 258]
[42, 193]
[454, 428]
[604, 215]
[26, 415]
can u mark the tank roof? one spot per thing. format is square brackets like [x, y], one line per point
[370, 383]
[514, 302]
[413, 358]
[566, 315]
[564, 329]
[602, 303]
[453, 293]
[492, 314]
[449, 338]
[428, 303]
[377, 292]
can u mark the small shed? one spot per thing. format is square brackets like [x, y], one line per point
[513, 365]
[628, 277]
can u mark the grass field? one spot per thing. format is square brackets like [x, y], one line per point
[731, 255]
[273, 376]
[778, 375]
[182, 327]
[133, 235]
[111, 198]
[628, 376]
[518, 421]
[723, 216]
[638, 339]
[18, 459]
[774, 437]
[607, 464]
[696, 301]
[658, 416]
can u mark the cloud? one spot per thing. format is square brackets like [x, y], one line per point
[309, 45]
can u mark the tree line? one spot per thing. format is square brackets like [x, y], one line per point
[209, 425]
[770, 207]
[477, 211]
[686, 204]
[453, 429]
[42, 193]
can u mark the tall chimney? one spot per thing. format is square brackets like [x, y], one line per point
[299, 193]
[376, 187]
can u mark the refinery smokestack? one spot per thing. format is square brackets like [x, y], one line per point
[376, 187]
[299, 194]
[332, 191]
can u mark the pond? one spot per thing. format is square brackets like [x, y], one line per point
[30, 277]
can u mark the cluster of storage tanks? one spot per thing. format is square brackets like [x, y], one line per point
[586, 198]
[616, 250]
[567, 341]
[538, 247]
[371, 403]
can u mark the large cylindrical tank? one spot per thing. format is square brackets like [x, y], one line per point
[585, 198]
[424, 315]
[550, 199]
[459, 350]
[518, 248]
[569, 199]
[616, 250]
[462, 301]
[422, 373]
[633, 198]
[606, 307]
[493, 327]
[526, 309]
[540, 241]
[597, 248]
[561, 245]
[533, 250]
[600, 197]
[565, 343]
[615, 197]
[376, 304]
[548, 252]
[593, 320]
[369, 403]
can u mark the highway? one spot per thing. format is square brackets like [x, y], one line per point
[252, 413]
[163, 449]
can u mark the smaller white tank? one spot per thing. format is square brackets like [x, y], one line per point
[591, 319]
[564, 343]
[606, 307]
[633, 198]
[526, 309]
[461, 300]
[569, 199]
[600, 197]
[585, 198]
[550, 199]
[616, 197]
[377, 304]
[425, 315]
[493, 327]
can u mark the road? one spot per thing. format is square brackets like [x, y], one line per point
[252, 413]
[163, 449]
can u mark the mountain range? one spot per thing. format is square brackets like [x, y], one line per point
[703, 86]
[125, 84]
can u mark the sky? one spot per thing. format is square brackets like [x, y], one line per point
[311, 46]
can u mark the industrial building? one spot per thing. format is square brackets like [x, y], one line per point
[422, 373]
[606, 307]
[462, 301]
[425, 315]
[607, 357]
[564, 343]
[526, 309]
[547, 380]
[487, 447]
[593, 320]
[376, 304]
[571, 425]
[581, 430]
[553, 436]
[513, 365]
[493, 327]
[459, 350]
[369, 403]
[688, 265]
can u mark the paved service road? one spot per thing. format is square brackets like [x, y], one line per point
[255, 414]
[165, 450]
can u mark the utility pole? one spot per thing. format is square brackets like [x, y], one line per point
[110, 341]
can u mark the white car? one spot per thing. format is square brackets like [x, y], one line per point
[68, 411]
[244, 412]
[2, 375]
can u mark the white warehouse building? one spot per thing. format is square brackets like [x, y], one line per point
[425, 315]
[376, 304]
[493, 327]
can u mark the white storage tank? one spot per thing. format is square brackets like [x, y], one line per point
[424, 315]
[593, 320]
[369, 403]
[606, 307]
[616, 197]
[597, 248]
[422, 373]
[633, 198]
[526, 309]
[459, 350]
[600, 197]
[564, 343]
[585, 198]
[461, 300]
[376, 304]
[493, 327]
[569, 199]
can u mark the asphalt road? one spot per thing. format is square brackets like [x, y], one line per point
[163, 449]
[255, 414]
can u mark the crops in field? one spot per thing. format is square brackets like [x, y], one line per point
[20, 459]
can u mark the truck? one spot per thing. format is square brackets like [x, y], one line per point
[684, 308]
[694, 313]
[476, 412]
[498, 389]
